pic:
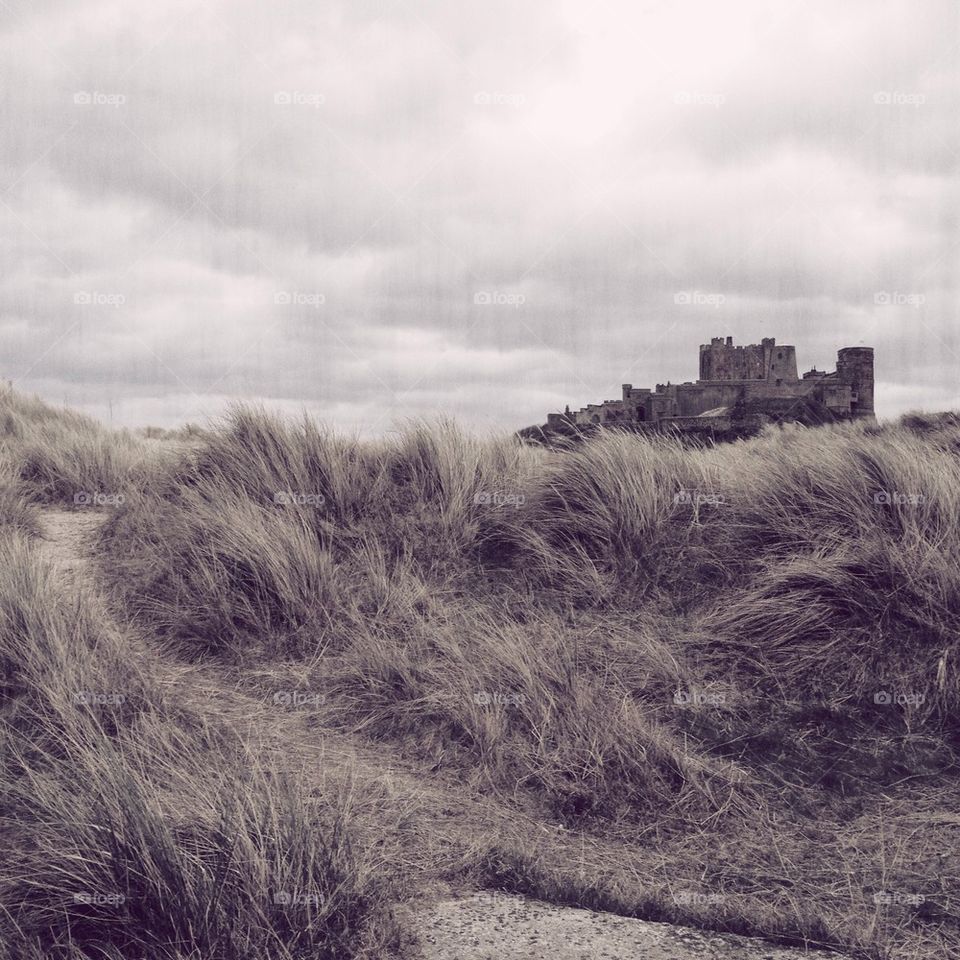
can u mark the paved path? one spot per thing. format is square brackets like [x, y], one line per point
[503, 927]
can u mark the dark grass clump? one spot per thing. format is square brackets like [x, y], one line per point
[108, 865]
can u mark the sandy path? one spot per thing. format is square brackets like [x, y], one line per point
[68, 537]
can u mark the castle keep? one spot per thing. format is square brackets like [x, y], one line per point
[758, 381]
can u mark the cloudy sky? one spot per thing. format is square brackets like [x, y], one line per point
[384, 210]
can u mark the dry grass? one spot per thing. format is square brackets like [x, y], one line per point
[134, 825]
[676, 659]
[61, 456]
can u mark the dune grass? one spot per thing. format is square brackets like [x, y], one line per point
[135, 825]
[632, 634]
[777, 556]
[62, 456]
[735, 665]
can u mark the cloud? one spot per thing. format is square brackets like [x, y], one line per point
[382, 210]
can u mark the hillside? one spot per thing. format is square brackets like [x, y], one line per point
[286, 682]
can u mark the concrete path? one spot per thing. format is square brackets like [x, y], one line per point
[503, 927]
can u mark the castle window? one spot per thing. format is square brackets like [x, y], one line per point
[779, 356]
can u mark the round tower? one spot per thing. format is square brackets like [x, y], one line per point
[855, 366]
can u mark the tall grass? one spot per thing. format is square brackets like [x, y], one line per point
[770, 564]
[16, 510]
[269, 528]
[822, 559]
[62, 456]
[629, 638]
[111, 866]
[135, 826]
[781, 550]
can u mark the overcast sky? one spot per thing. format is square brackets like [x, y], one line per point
[384, 210]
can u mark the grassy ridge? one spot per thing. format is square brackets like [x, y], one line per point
[779, 556]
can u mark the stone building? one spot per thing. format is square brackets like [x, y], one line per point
[758, 381]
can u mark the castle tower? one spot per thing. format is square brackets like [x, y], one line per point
[855, 366]
[722, 360]
[779, 361]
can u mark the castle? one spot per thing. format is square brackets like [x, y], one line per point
[757, 382]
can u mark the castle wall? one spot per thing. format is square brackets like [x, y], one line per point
[690, 400]
[723, 361]
[835, 396]
[694, 400]
[796, 388]
[702, 423]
